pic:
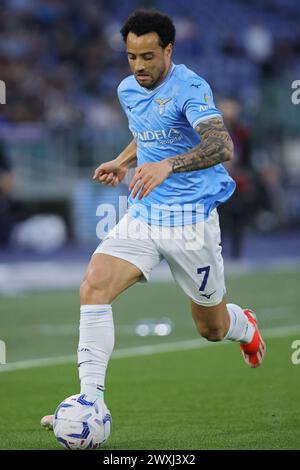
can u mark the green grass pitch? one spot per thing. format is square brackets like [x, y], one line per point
[204, 398]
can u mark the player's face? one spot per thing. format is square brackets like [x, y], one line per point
[148, 61]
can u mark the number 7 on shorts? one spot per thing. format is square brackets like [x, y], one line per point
[204, 270]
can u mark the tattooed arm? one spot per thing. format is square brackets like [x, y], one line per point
[215, 147]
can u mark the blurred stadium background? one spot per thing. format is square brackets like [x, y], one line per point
[61, 61]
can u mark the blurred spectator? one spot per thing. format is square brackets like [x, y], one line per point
[272, 210]
[259, 198]
[187, 35]
[258, 43]
[103, 114]
[72, 51]
[6, 205]
[237, 212]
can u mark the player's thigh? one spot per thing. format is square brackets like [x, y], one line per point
[197, 265]
[126, 255]
[110, 275]
[130, 240]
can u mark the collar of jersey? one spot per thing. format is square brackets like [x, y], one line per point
[162, 84]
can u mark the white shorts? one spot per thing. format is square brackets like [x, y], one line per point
[193, 253]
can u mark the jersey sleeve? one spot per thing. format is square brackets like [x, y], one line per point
[120, 97]
[197, 103]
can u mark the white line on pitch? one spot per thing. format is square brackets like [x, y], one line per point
[276, 332]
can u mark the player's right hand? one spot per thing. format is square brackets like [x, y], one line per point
[110, 173]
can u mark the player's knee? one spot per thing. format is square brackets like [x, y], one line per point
[212, 334]
[96, 288]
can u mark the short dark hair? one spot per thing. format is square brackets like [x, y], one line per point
[143, 21]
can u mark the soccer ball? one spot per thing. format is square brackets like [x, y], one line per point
[81, 424]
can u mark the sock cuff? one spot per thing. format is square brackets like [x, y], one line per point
[240, 328]
[233, 319]
[95, 309]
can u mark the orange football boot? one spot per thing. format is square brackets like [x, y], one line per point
[254, 351]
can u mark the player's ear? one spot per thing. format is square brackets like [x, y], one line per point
[169, 50]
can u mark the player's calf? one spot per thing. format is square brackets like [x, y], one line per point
[212, 334]
[231, 322]
[212, 322]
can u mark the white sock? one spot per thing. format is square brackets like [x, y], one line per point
[240, 328]
[96, 343]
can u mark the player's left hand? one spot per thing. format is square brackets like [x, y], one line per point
[148, 176]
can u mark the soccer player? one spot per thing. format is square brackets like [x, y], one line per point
[179, 144]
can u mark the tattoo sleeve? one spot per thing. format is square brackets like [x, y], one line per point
[215, 147]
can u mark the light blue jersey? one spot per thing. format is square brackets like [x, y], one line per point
[163, 122]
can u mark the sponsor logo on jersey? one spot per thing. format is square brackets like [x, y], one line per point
[161, 136]
[205, 107]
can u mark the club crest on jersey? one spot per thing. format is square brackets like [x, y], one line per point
[162, 104]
